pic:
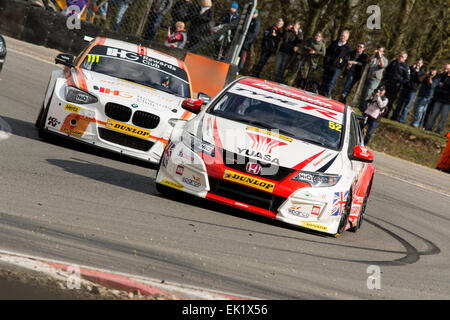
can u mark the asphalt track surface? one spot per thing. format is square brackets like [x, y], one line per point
[65, 201]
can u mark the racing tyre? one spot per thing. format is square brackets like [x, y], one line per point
[345, 215]
[42, 116]
[37, 123]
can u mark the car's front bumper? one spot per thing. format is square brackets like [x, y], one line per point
[186, 171]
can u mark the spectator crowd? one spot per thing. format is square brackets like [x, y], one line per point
[389, 89]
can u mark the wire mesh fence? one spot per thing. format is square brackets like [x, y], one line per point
[210, 28]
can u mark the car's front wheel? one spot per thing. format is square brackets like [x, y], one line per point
[345, 215]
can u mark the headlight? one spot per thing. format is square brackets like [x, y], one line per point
[315, 179]
[78, 96]
[197, 145]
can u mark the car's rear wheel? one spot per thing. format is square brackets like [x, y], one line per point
[345, 215]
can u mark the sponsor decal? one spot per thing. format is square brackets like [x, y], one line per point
[191, 182]
[321, 160]
[116, 93]
[339, 200]
[52, 121]
[290, 94]
[326, 113]
[264, 144]
[128, 129]
[172, 184]
[296, 211]
[248, 181]
[184, 156]
[314, 226]
[315, 210]
[180, 170]
[75, 124]
[270, 133]
[93, 58]
[253, 168]
[72, 108]
[167, 154]
[260, 155]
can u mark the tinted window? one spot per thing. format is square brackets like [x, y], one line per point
[137, 68]
[289, 121]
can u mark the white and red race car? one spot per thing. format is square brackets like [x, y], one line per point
[118, 96]
[273, 150]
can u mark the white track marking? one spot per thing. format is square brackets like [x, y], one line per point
[31, 56]
[390, 175]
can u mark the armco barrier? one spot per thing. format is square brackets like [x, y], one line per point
[46, 28]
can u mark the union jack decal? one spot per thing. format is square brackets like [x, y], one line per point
[167, 154]
[339, 200]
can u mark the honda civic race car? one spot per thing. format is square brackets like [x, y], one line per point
[118, 96]
[276, 151]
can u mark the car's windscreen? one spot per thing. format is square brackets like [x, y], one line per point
[293, 118]
[137, 68]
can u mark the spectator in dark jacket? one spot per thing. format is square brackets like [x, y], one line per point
[356, 61]
[253, 30]
[396, 75]
[409, 90]
[184, 11]
[158, 10]
[292, 37]
[426, 91]
[269, 45]
[202, 23]
[231, 18]
[334, 62]
[442, 104]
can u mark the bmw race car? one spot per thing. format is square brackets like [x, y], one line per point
[118, 96]
[276, 151]
[2, 51]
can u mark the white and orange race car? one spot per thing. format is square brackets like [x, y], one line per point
[118, 96]
[273, 150]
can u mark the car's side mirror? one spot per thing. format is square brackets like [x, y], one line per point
[65, 59]
[192, 105]
[361, 121]
[362, 154]
[205, 98]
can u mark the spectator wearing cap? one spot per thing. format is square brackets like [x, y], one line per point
[158, 10]
[269, 45]
[228, 18]
[253, 30]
